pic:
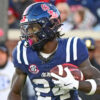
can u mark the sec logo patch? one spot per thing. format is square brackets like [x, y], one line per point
[33, 69]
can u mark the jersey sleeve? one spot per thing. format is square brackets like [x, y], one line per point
[82, 52]
[17, 62]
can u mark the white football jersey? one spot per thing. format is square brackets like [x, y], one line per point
[6, 75]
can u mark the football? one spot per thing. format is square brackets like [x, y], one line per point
[76, 72]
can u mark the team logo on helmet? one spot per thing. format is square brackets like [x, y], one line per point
[24, 19]
[50, 12]
[33, 69]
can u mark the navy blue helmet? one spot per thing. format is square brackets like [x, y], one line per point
[41, 19]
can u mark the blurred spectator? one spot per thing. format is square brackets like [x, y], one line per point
[54, 2]
[20, 5]
[6, 72]
[13, 22]
[84, 19]
[92, 5]
[90, 44]
[65, 15]
[97, 28]
[1, 32]
[74, 4]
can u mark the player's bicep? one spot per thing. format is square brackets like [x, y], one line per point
[88, 70]
[18, 81]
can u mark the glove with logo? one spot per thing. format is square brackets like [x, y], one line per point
[68, 82]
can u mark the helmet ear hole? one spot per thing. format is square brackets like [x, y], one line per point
[54, 22]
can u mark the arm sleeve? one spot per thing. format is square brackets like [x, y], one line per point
[82, 52]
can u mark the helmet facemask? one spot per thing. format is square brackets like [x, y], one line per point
[44, 30]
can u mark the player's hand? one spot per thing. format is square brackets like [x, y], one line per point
[68, 82]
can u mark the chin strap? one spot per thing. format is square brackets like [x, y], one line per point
[39, 46]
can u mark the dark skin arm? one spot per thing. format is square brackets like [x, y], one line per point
[89, 72]
[18, 82]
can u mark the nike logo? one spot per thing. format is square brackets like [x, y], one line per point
[67, 84]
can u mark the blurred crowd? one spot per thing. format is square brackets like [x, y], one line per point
[75, 14]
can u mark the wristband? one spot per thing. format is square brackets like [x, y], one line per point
[94, 86]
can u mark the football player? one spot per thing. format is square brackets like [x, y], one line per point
[41, 49]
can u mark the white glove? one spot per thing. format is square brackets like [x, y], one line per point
[68, 82]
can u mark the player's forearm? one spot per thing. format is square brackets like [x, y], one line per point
[86, 86]
[14, 96]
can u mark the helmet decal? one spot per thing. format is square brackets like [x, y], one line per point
[24, 19]
[50, 12]
[45, 7]
[53, 14]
